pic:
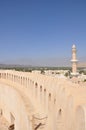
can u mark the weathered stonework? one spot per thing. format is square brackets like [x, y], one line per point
[34, 101]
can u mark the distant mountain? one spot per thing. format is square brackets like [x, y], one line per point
[82, 64]
[52, 61]
[13, 66]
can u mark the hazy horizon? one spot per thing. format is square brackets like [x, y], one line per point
[53, 62]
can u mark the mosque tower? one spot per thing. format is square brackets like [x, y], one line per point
[74, 61]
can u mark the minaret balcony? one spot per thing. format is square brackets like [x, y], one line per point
[74, 60]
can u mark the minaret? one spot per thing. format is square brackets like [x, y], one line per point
[74, 61]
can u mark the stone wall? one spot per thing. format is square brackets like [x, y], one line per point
[47, 100]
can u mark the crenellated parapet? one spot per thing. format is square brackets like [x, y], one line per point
[48, 100]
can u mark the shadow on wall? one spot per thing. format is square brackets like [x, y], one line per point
[80, 118]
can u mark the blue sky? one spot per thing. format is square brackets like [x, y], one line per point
[41, 32]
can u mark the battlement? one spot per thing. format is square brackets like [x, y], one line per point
[52, 98]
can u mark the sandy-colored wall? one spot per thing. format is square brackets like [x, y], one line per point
[46, 96]
[11, 103]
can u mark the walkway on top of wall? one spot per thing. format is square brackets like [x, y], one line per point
[30, 108]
